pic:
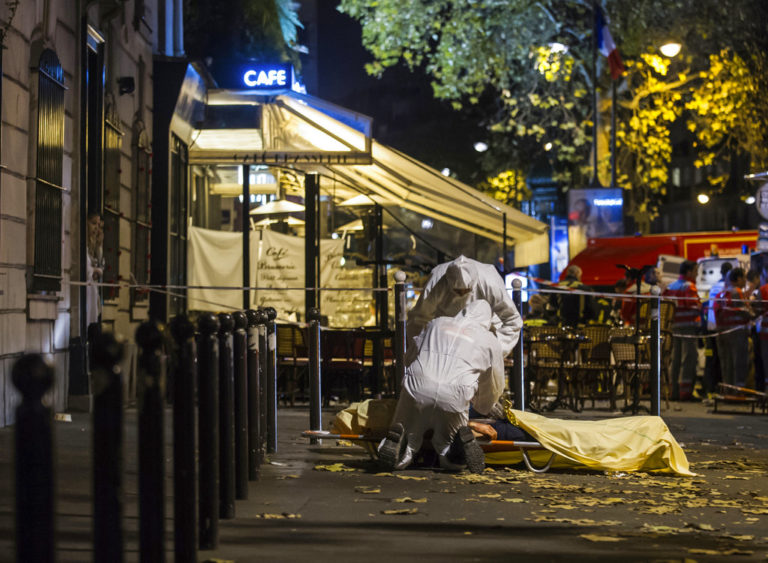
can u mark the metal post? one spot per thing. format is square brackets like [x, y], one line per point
[311, 240]
[401, 316]
[184, 432]
[315, 375]
[655, 383]
[254, 399]
[263, 385]
[379, 282]
[517, 382]
[151, 444]
[245, 212]
[208, 431]
[239, 346]
[226, 418]
[107, 449]
[271, 380]
[34, 461]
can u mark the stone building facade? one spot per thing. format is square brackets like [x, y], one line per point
[76, 139]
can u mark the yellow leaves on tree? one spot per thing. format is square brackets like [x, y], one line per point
[508, 186]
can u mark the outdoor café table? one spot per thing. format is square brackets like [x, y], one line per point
[567, 343]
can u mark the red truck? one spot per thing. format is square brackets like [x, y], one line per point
[598, 261]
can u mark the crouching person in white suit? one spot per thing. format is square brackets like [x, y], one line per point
[455, 361]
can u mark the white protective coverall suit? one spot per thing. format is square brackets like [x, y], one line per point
[458, 360]
[440, 298]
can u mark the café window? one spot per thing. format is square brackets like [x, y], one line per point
[46, 269]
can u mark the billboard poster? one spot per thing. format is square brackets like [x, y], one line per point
[594, 213]
[558, 246]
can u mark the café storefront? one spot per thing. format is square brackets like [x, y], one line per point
[271, 191]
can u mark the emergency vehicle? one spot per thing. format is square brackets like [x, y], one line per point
[598, 262]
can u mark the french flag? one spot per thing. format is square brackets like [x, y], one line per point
[606, 45]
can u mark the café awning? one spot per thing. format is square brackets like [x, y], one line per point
[313, 135]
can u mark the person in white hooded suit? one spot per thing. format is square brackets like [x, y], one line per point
[452, 285]
[456, 361]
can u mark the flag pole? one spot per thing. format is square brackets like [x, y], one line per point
[613, 133]
[595, 119]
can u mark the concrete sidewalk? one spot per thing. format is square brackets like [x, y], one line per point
[299, 511]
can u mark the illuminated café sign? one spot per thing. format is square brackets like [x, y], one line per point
[305, 157]
[268, 77]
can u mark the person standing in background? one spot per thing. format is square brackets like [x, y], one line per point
[712, 372]
[94, 273]
[732, 314]
[685, 325]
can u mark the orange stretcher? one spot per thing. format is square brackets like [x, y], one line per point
[489, 446]
[735, 395]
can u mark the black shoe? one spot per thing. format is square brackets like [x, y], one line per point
[472, 452]
[389, 452]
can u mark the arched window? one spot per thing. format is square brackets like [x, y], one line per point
[46, 272]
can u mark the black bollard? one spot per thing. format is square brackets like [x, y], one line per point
[263, 371]
[315, 376]
[208, 430]
[239, 347]
[226, 418]
[184, 474]
[655, 382]
[254, 401]
[400, 345]
[107, 449]
[517, 379]
[151, 444]
[34, 462]
[271, 380]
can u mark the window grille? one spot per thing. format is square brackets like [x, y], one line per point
[46, 269]
[113, 138]
[142, 226]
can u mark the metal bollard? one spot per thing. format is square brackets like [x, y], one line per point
[34, 462]
[107, 449]
[315, 375]
[655, 382]
[254, 399]
[226, 418]
[184, 432]
[517, 378]
[151, 444]
[271, 380]
[208, 431]
[263, 371]
[239, 347]
[400, 344]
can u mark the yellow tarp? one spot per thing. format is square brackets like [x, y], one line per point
[632, 443]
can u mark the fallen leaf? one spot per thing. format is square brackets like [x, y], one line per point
[739, 477]
[467, 533]
[513, 500]
[410, 478]
[336, 467]
[737, 537]
[283, 516]
[399, 511]
[281, 477]
[409, 499]
[700, 526]
[490, 495]
[367, 490]
[597, 538]
[699, 551]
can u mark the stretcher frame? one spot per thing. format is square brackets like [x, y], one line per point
[488, 446]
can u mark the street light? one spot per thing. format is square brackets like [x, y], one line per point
[750, 200]
[670, 49]
[480, 146]
[703, 199]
